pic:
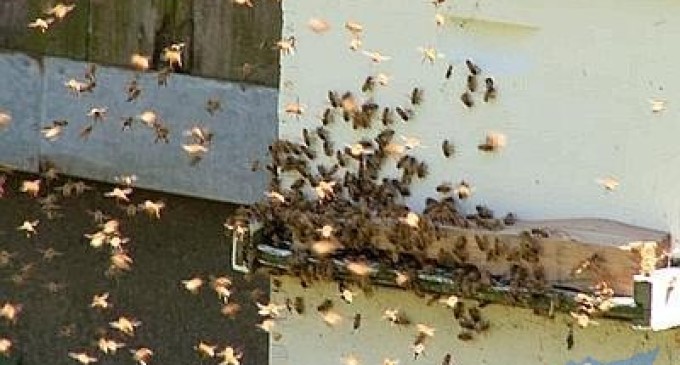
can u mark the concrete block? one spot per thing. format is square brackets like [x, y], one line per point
[242, 130]
[20, 95]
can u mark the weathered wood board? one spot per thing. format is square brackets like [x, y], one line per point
[228, 36]
[570, 243]
[220, 36]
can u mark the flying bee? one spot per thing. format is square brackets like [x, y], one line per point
[491, 91]
[85, 132]
[405, 114]
[447, 148]
[334, 99]
[474, 69]
[449, 72]
[327, 117]
[387, 117]
[472, 83]
[444, 188]
[493, 142]
[369, 84]
[416, 96]
[466, 98]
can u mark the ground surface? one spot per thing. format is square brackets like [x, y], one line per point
[188, 240]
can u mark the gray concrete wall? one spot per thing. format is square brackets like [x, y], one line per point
[34, 92]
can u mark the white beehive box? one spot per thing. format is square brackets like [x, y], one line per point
[659, 293]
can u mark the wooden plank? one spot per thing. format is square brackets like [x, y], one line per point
[64, 38]
[570, 243]
[121, 28]
[228, 36]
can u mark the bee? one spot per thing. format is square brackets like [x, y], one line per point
[342, 161]
[472, 83]
[306, 137]
[322, 133]
[570, 337]
[490, 93]
[466, 98]
[492, 143]
[327, 117]
[299, 305]
[357, 322]
[255, 165]
[447, 359]
[369, 84]
[447, 148]
[405, 114]
[449, 72]
[422, 170]
[474, 69]
[133, 90]
[444, 188]
[333, 99]
[458, 309]
[328, 148]
[297, 184]
[85, 132]
[465, 336]
[325, 306]
[416, 96]
[213, 105]
[387, 117]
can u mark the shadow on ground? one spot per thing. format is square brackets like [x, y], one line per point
[189, 240]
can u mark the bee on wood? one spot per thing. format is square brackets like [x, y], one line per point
[387, 117]
[328, 148]
[299, 305]
[474, 69]
[466, 98]
[333, 99]
[448, 148]
[306, 137]
[458, 310]
[322, 133]
[369, 84]
[472, 83]
[570, 337]
[327, 117]
[416, 96]
[466, 336]
[357, 322]
[491, 92]
[298, 184]
[133, 90]
[444, 188]
[405, 114]
[325, 306]
[422, 170]
[342, 161]
[449, 72]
